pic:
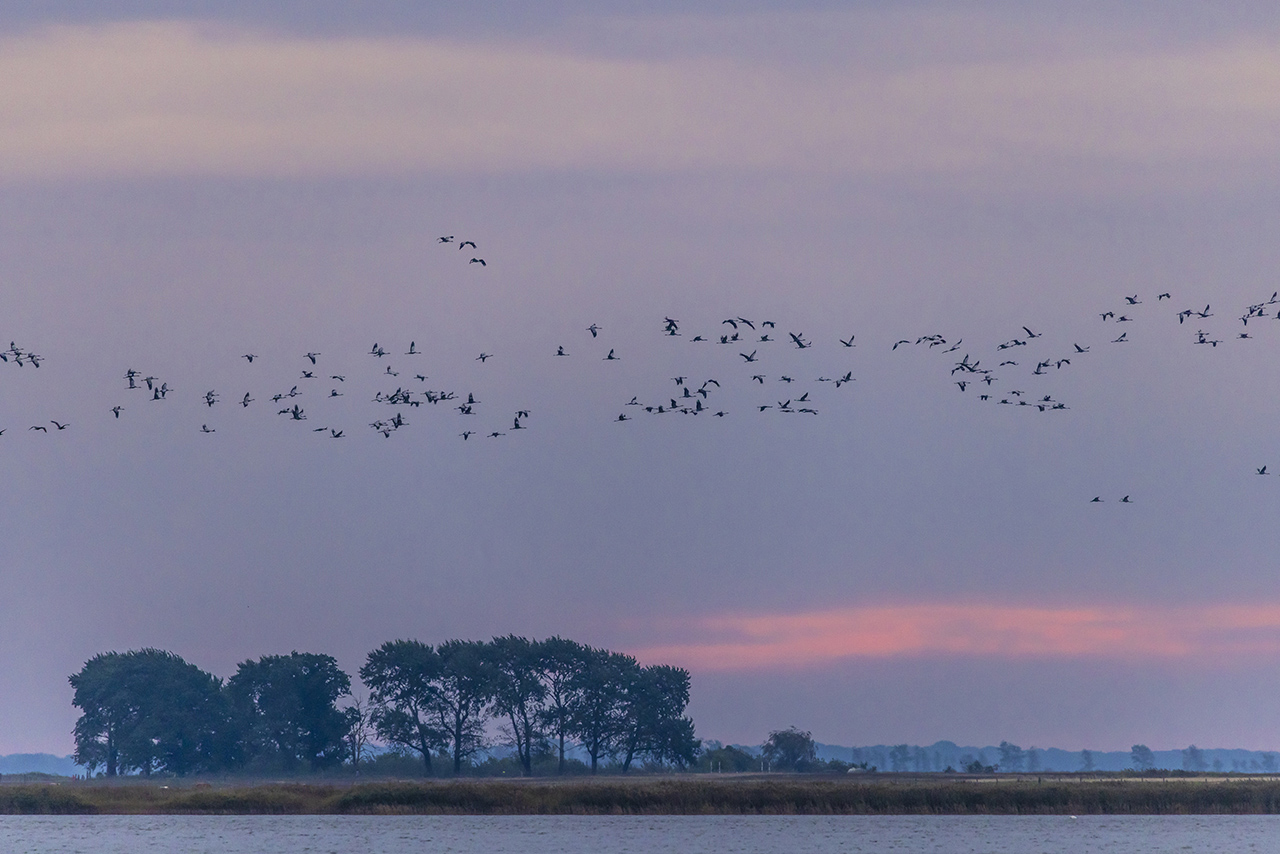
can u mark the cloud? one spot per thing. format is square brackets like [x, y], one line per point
[143, 99]
[764, 641]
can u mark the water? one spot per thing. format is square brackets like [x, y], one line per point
[638, 835]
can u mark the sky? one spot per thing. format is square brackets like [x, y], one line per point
[182, 184]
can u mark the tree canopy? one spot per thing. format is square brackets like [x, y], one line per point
[288, 706]
[149, 711]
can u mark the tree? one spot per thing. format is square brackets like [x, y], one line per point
[667, 733]
[1033, 759]
[638, 705]
[595, 707]
[464, 689]
[651, 720]
[790, 749]
[360, 729]
[718, 758]
[150, 711]
[1011, 757]
[288, 704]
[519, 695]
[1193, 759]
[403, 680]
[559, 661]
[1142, 758]
[899, 756]
[1086, 761]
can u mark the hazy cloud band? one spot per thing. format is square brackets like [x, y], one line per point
[176, 98]
[772, 640]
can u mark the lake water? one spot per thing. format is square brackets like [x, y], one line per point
[638, 835]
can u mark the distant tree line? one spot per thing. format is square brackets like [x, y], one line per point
[148, 711]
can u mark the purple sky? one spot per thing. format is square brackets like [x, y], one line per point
[185, 183]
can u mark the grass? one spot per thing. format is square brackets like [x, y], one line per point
[726, 795]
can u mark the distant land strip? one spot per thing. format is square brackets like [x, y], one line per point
[744, 795]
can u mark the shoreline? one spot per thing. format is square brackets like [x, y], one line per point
[728, 795]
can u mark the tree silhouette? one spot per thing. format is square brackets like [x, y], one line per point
[288, 704]
[790, 749]
[148, 711]
[403, 680]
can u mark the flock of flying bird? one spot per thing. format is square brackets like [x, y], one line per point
[747, 344]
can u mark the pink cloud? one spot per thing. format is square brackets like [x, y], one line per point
[738, 642]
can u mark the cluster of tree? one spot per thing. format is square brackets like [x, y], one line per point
[789, 749]
[545, 694]
[149, 711]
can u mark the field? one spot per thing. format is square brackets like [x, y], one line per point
[721, 795]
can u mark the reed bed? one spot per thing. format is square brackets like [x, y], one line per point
[683, 796]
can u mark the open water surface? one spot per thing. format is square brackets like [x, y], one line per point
[638, 835]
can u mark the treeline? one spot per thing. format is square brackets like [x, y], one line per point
[148, 711]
